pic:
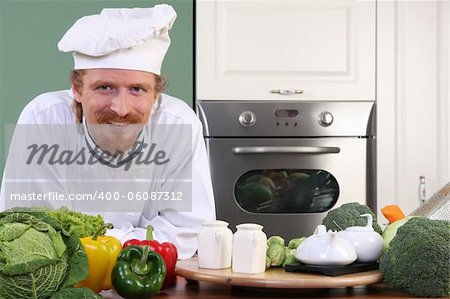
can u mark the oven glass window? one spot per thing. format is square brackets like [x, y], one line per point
[286, 191]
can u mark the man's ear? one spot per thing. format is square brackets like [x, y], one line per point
[76, 93]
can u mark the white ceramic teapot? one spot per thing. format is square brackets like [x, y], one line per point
[367, 242]
[325, 249]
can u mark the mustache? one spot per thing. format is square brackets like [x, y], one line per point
[108, 116]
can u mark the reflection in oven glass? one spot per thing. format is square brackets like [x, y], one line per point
[286, 191]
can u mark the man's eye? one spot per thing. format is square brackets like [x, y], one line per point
[104, 88]
[137, 89]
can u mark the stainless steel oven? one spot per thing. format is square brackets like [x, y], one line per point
[285, 164]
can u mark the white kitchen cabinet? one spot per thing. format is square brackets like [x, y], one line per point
[249, 49]
[412, 100]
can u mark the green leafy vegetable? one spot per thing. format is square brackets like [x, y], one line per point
[268, 261]
[349, 215]
[417, 258]
[275, 240]
[290, 256]
[293, 244]
[279, 255]
[75, 222]
[78, 293]
[38, 259]
[391, 230]
[276, 254]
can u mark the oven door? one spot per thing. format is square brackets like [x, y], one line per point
[287, 184]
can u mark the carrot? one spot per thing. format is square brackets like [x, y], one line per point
[392, 213]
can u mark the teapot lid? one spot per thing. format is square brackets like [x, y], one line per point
[367, 228]
[320, 230]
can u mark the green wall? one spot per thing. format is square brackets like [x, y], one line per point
[30, 62]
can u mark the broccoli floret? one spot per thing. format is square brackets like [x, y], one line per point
[417, 259]
[349, 214]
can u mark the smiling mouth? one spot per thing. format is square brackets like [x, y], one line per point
[118, 124]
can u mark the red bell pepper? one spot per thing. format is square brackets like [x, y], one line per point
[167, 250]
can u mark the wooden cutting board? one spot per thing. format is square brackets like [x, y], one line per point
[274, 277]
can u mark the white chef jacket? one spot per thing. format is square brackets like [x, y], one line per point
[180, 228]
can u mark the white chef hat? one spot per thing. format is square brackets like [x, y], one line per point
[126, 38]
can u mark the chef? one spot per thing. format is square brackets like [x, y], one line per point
[115, 135]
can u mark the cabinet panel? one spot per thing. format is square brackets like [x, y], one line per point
[412, 106]
[245, 49]
[269, 41]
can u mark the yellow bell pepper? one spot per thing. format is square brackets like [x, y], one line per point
[102, 252]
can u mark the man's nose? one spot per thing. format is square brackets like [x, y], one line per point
[120, 104]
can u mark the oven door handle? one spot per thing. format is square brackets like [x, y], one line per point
[245, 150]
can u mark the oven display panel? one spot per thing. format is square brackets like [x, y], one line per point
[289, 113]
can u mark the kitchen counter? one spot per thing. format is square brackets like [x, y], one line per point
[191, 289]
[187, 289]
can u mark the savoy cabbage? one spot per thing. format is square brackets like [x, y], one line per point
[38, 259]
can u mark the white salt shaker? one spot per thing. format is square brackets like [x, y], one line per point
[215, 242]
[249, 249]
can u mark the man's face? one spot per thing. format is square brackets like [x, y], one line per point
[116, 104]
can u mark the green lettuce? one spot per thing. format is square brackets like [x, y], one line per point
[75, 222]
[39, 259]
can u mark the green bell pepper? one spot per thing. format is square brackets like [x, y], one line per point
[138, 273]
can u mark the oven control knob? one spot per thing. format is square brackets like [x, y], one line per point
[247, 118]
[325, 119]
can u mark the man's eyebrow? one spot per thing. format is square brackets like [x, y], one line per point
[100, 83]
[144, 85]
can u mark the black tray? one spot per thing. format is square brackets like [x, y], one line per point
[354, 267]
